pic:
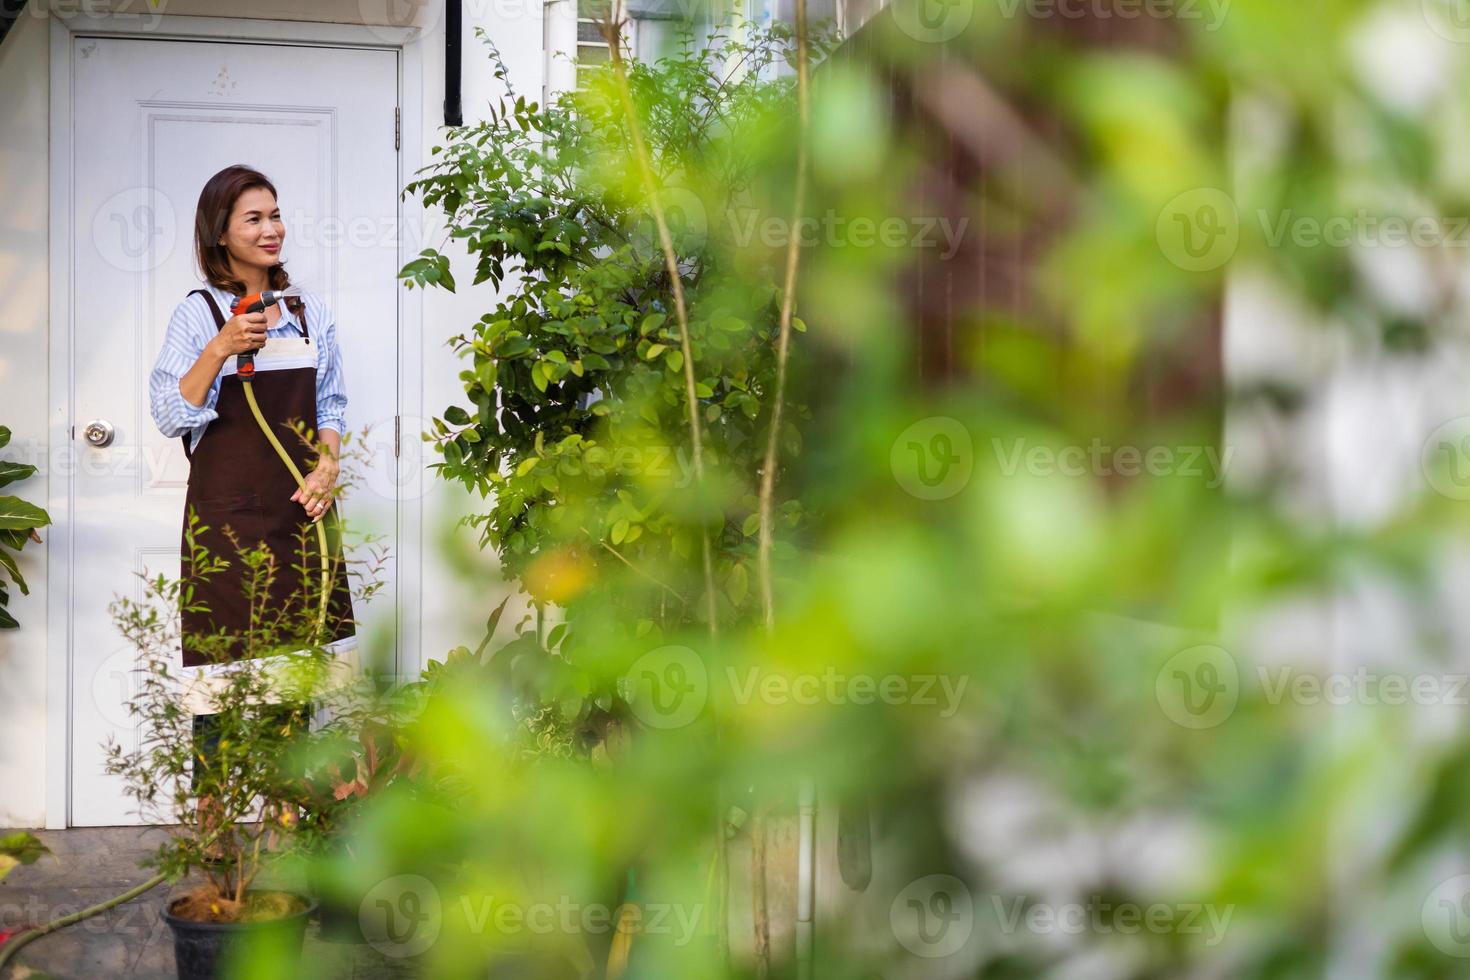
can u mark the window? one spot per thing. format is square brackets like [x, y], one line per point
[592, 50]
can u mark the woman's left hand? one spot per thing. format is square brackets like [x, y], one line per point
[316, 496]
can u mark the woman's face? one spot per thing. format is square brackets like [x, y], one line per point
[254, 234]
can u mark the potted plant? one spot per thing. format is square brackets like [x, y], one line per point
[219, 787]
[355, 757]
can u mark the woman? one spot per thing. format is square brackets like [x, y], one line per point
[236, 478]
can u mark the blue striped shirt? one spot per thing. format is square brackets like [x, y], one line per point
[192, 326]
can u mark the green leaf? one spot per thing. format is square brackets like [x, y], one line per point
[491, 625]
[654, 350]
[527, 465]
[751, 524]
[675, 360]
[4, 436]
[11, 472]
[798, 324]
[18, 515]
[651, 323]
[512, 347]
[619, 532]
[7, 560]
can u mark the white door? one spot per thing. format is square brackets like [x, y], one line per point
[152, 121]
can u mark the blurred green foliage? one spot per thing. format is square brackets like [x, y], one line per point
[1048, 668]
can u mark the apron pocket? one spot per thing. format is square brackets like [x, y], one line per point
[231, 502]
[241, 513]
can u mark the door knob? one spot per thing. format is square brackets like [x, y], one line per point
[98, 432]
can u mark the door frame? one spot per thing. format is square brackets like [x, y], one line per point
[61, 559]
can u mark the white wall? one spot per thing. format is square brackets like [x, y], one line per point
[24, 405]
[454, 606]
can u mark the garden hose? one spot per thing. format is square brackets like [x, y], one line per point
[321, 528]
[245, 370]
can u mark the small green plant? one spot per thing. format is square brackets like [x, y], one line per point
[222, 790]
[19, 520]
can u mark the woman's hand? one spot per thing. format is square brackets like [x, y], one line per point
[316, 495]
[240, 334]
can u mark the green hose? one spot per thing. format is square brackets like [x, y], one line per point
[321, 529]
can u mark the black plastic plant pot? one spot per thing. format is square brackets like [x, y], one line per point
[337, 911]
[339, 922]
[203, 949]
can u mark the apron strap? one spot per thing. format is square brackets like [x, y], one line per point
[305, 330]
[219, 324]
[219, 318]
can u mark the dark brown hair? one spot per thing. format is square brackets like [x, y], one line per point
[211, 218]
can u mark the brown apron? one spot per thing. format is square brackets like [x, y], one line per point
[236, 480]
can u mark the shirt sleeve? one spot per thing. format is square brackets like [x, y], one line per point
[184, 342]
[331, 387]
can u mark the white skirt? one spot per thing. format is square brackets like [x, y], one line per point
[290, 677]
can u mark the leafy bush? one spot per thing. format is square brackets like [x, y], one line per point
[18, 523]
